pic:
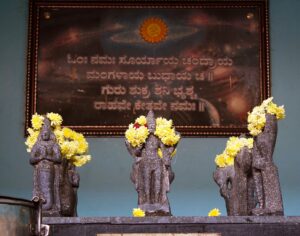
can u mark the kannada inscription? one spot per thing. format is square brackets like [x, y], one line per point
[100, 67]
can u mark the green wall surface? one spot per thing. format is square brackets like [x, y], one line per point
[105, 186]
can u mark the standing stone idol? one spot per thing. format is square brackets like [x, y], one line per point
[243, 188]
[45, 155]
[265, 172]
[151, 174]
[236, 184]
[69, 183]
[223, 177]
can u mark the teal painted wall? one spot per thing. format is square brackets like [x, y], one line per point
[105, 187]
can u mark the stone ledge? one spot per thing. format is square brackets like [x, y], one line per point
[222, 225]
[173, 220]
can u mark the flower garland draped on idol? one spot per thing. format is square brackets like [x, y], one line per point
[73, 145]
[59, 181]
[262, 124]
[257, 118]
[152, 142]
[247, 177]
[233, 175]
[137, 133]
[233, 147]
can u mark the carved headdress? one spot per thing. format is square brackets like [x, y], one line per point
[47, 124]
[47, 128]
[151, 121]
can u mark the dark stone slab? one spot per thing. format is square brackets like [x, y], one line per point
[227, 226]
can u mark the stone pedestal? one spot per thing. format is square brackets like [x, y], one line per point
[225, 226]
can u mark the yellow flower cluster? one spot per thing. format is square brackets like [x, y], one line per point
[55, 119]
[136, 136]
[32, 138]
[73, 145]
[160, 154]
[37, 121]
[138, 212]
[166, 132]
[137, 133]
[233, 146]
[81, 160]
[142, 120]
[257, 118]
[214, 212]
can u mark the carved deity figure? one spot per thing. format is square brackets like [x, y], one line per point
[45, 155]
[243, 185]
[223, 176]
[265, 172]
[69, 183]
[237, 185]
[152, 174]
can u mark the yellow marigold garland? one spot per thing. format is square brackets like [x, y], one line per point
[136, 136]
[73, 145]
[56, 119]
[257, 118]
[165, 132]
[31, 139]
[137, 133]
[233, 146]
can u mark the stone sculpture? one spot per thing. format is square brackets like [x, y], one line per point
[45, 157]
[243, 185]
[237, 185]
[223, 177]
[55, 154]
[251, 186]
[265, 172]
[69, 183]
[151, 174]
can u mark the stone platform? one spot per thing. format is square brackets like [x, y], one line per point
[222, 225]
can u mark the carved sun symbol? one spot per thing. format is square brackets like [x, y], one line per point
[153, 30]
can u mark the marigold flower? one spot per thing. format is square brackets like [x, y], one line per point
[220, 160]
[80, 160]
[37, 121]
[55, 119]
[136, 136]
[31, 139]
[233, 147]
[68, 133]
[142, 120]
[165, 132]
[138, 212]
[257, 118]
[214, 212]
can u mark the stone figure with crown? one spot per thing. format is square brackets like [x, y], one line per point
[55, 154]
[152, 143]
[262, 125]
[45, 157]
